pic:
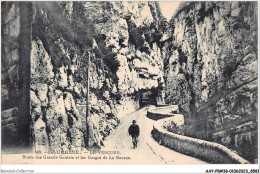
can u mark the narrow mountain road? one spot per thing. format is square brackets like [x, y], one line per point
[148, 150]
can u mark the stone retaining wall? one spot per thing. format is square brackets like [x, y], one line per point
[162, 112]
[205, 150]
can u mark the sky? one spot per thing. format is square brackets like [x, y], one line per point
[168, 8]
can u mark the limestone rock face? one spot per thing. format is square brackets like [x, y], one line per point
[41, 66]
[111, 41]
[41, 138]
[211, 72]
[127, 47]
[204, 60]
[10, 82]
[10, 54]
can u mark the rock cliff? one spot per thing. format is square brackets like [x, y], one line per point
[72, 70]
[112, 48]
[211, 72]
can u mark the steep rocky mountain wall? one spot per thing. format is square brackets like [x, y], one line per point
[211, 72]
[116, 43]
[15, 77]
[71, 70]
[9, 69]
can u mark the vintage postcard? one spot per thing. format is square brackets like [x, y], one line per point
[125, 82]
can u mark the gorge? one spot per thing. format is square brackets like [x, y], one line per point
[72, 70]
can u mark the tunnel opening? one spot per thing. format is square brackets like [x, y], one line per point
[148, 97]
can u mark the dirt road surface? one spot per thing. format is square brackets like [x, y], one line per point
[148, 150]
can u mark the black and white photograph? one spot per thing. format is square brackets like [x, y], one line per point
[129, 82]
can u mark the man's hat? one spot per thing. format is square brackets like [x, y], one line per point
[134, 121]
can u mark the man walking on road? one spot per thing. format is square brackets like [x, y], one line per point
[134, 133]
